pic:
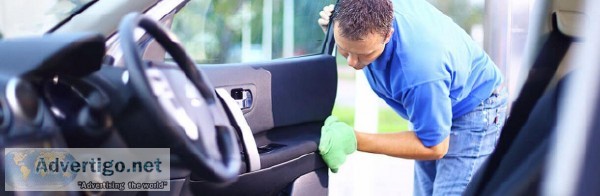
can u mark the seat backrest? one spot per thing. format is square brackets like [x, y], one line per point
[570, 18]
[516, 166]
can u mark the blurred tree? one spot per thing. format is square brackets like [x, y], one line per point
[212, 31]
[465, 13]
[206, 31]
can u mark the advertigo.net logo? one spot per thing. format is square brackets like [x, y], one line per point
[106, 168]
[87, 169]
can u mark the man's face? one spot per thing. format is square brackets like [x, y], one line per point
[360, 53]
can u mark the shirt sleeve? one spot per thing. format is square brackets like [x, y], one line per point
[429, 109]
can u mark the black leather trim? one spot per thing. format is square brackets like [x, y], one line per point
[268, 181]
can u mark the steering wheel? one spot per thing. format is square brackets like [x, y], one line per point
[200, 133]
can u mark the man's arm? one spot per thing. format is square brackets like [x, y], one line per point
[429, 109]
[404, 144]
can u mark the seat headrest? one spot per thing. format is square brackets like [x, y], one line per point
[570, 16]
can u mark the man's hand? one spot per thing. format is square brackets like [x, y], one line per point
[337, 141]
[325, 14]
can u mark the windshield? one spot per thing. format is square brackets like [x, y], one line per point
[34, 17]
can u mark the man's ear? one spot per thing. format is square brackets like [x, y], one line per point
[389, 36]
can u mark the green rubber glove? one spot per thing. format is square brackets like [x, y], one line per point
[337, 142]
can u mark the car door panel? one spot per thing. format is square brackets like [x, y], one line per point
[258, 81]
[304, 89]
[271, 181]
[291, 99]
[290, 91]
[291, 142]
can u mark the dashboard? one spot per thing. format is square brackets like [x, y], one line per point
[79, 108]
[32, 91]
[55, 92]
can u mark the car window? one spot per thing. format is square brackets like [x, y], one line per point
[233, 31]
[33, 17]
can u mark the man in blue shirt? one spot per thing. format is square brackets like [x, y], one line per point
[430, 72]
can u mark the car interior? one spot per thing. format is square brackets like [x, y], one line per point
[240, 128]
[246, 128]
[519, 164]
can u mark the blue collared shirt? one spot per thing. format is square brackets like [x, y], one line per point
[431, 71]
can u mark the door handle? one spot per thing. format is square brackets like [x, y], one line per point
[243, 97]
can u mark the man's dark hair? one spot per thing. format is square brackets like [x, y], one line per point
[357, 18]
